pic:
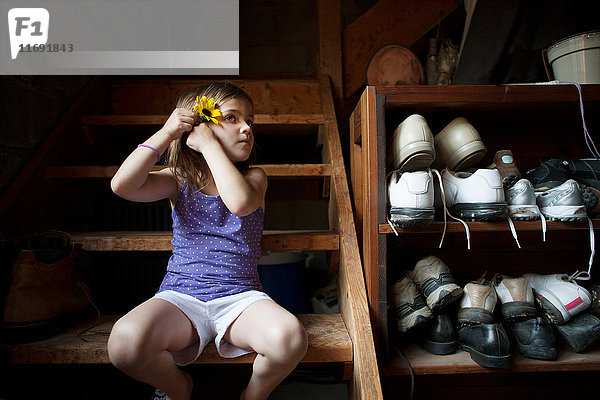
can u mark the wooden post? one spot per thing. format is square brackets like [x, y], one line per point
[330, 45]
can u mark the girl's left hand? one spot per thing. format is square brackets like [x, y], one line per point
[200, 137]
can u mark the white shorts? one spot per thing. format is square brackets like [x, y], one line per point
[211, 320]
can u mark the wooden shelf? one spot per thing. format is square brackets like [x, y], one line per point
[438, 227]
[161, 240]
[424, 363]
[102, 171]
[465, 95]
[327, 337]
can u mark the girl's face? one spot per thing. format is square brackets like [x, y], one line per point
[235, 131]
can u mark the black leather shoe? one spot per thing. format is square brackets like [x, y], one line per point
[438, 336]
[580, 332]
[535, 338]
[487, 344]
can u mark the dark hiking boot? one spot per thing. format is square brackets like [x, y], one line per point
[585, 171]
[487, 344]
[581, 332]
[549, 174]
[534, 338]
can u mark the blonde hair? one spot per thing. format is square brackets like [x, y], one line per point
[188, 164]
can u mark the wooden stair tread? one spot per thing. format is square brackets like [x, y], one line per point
[327, 337]
[423, 362]
[161, 240]
[159, 119]
[108, 171]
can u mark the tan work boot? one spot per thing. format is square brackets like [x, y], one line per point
[435, 282]
[43, 298]
[408, 305]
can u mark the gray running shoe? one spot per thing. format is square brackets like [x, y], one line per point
[562, 203]
[521, 201]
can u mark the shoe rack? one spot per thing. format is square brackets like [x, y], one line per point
[534, 122]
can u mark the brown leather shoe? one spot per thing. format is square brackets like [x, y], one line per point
[43, 298]
[505, 163]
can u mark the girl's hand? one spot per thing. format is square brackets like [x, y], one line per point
[180, 121]
[201, 137]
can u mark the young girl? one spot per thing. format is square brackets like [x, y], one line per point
[211, 290]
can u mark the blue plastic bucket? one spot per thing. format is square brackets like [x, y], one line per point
[282, 275]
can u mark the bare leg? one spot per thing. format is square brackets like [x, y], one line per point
[278, 338]
[141, 341]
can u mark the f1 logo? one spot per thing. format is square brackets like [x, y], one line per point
[28, 26]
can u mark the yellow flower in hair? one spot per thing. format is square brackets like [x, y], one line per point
[206, 109]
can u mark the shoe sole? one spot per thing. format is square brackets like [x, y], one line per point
[439, 348]
[590, 199]
[472, 315]
[551, 306]
[523, 213]
[413, 320]
[518, 310]
[443, 297]
[486, 360]
[565, 213]
[480, 211]
[405, 216]
[509, 180]
[416, 156]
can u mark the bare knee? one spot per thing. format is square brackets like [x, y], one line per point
[288, 342]
[126, 346]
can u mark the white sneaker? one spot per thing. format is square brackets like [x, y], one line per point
[477, 196]
[559, 296]
[410, 196]
[520, 199]
[412, 148]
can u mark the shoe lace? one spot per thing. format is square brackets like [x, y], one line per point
[588, 138]
[467, 231]
[587, 275]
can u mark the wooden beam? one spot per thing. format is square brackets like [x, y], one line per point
[328, 342]
[100, 171]
[161, 240]
[159, 119]
[365, 382]
[388, 21]
[330, 44]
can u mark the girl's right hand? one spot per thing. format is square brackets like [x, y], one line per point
[180, 121]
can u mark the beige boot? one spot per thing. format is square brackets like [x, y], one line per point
[408, 305]
[43, 298]
[436, 283]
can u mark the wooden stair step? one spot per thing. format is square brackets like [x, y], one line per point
[108, 171]
[159, 119]
[161, 240]
[327, 337]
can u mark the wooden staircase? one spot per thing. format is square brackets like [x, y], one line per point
[103, 126]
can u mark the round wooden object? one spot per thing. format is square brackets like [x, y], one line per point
[394, 65]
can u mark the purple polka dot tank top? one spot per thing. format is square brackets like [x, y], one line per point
[215, 253]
